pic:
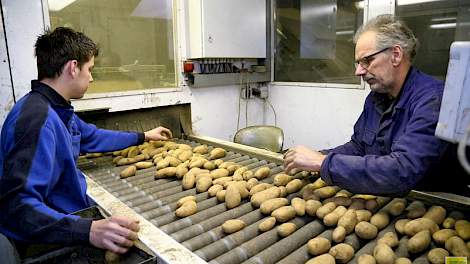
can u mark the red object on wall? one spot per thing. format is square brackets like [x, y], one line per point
[188, 66]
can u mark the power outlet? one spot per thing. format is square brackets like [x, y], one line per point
[246, 92]
[260, 92]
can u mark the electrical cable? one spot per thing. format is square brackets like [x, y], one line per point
[274, 111]
[461, 150]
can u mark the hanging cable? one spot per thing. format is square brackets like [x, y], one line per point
[461, 150]
[274, 111]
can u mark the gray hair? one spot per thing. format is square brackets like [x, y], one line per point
[390, 31]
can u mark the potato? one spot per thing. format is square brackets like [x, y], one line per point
[344, 201]
[188, 181]
[419, 242]
[283, 191]
[128, 172]
[332, 218]
[181, 170]
[240, 171]
[339, 234]
[197, 162]
[241, 185]
[232, 197]
[262, 172]
[294, 185]
[307, 193]
[358, 204]
[218, 162]
[286, 229]
[214, 189]
[366, 259]
[251, 183]
[222, 181]
[322, 259]
[380, 219]
[319, 183]
[442, 235]
[221, 195]
[383, 254]
[163, 164]
[173, 161]
[233, 225]
[415, 210]
[203, 183]
[265, 195]
[363, 215]
[343, 193]
[268, 206]
[185, 155]
[437, 255]
[402, 261]
[420, 224]
[125, 161]
[282, 179]
[366, 230]
[397, 206]
[181, 201]
[143, 164]
[311, 207]
[226, 164]
[133, 151]
[188, 208]
[267, 224]
[389, 238]
[342, 252]
[217, 153]
[299, 205]
[209, 165]
[457, 247]
[116, 159]
[348, 220]
[463, 229]
[449, 222]
[248, 175]
[318, 246]
[165, 172]
[111, 257]
[219, 173]
[436, 213]
[232, 168]
[400, 225]
[326, 192]
[284, 213]
[201, 149]
[325, 209]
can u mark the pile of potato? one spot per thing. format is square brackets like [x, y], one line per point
[423, 229]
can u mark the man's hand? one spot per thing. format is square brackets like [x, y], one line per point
[303, 158]
[116, 233]
[159, 133]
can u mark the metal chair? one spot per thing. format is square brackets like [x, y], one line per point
[265, 137]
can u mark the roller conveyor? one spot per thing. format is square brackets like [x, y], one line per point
[201, 234]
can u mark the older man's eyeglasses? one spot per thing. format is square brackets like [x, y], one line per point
[366, 60]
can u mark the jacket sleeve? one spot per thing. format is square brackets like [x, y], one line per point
[24, 214]
[396, 173]
[94, 139]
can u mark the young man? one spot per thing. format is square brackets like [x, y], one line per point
[393, 148]
[40, 184]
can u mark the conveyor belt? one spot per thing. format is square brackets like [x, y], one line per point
[201, 233]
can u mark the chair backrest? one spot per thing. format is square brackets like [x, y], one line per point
[264, 137]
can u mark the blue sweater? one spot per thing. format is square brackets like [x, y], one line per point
[393, 146]
[40, 184]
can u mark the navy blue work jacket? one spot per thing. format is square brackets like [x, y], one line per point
[393, 146]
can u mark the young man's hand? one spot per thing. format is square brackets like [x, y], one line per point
[116, 233]
[159, 133]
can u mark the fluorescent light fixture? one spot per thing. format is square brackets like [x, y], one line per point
[413, 2]
[345, 32]
[359, 5]
[57, 5]
[441, 19]
[443, 25]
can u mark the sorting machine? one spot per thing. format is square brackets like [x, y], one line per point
[199, 238]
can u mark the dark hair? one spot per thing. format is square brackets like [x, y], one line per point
[54, 49]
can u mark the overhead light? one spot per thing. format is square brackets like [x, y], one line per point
[413, 2]
[441, 19]
[345, 32]
[443, 25]
[359, 5]
[57, 5]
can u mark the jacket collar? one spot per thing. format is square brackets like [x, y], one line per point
[54, 97]
[404, 93]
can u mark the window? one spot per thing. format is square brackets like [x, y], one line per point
[436, 24]
[314, 40]
[135, 39]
